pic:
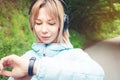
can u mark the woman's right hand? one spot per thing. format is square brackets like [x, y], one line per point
[19, 67]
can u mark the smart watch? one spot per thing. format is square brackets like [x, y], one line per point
[31, 66]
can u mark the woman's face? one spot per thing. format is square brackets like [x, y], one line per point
[46, 27]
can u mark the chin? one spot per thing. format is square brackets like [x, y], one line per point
[46, 42]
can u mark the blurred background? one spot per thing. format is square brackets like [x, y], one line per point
[90, 21]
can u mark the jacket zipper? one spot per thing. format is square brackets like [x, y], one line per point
[44, 50]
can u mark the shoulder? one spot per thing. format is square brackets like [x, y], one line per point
[76, 53]
[30, 54]
[87, 63]
[82, 61]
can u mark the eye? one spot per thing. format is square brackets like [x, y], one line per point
[38, 22]
[52, 23]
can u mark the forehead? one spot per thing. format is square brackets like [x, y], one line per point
[45, 12]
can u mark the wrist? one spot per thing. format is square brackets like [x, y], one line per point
[35, 67]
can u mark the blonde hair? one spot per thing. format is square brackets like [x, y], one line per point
[56, 8]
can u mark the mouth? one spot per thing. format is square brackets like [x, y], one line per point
[45, 37]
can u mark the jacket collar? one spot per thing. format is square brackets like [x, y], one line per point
[50, 49]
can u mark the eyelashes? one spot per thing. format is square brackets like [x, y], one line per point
[49, 23]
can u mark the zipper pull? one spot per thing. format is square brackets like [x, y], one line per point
[44, 52]
[44, 55]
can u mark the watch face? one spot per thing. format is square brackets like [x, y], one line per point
[33, 58]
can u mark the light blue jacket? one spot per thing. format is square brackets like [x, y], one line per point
[61, 62]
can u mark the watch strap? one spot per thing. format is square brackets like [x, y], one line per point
[31, 66]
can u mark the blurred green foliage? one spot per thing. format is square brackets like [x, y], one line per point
[90, 20]
[15, 35]
[77, 39]
[95, 19]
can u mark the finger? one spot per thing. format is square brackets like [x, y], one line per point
[1, 66]
[6, 73]
[4, 62]
[9, 61]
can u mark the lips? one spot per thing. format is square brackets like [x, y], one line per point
[45, 37]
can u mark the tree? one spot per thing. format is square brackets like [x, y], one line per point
[87, 16]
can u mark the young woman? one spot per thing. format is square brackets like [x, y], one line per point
[52, 57]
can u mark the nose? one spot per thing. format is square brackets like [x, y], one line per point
[44, 29]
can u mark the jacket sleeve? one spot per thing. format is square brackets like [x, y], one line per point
[69, 65]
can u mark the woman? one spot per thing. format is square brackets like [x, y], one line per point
[52, 57]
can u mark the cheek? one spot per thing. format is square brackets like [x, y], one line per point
[55, 31]
[36, 29]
